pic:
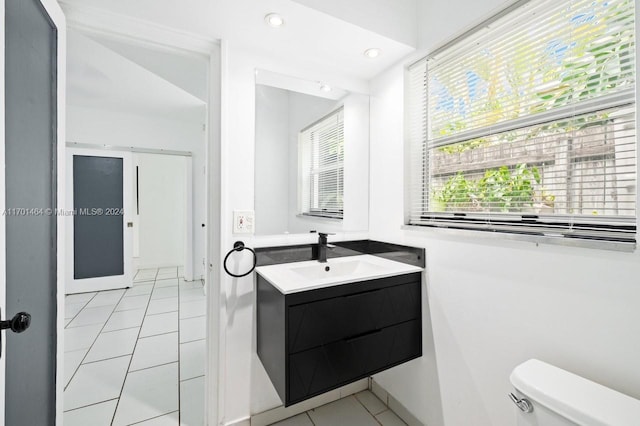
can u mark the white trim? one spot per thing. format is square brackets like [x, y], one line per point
[3, 234]
[101, 22]
[535, 239]
[216, 344]
[59, 21]
[188, 222]
[128, 149]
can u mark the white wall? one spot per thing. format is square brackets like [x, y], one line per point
[106, 127]
[493, 303]
[162, 200]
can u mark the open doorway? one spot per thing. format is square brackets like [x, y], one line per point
[162, 236]
[136, 351]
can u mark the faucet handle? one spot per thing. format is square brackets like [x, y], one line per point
[325, 234]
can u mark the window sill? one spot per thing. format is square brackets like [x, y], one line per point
[537, 239]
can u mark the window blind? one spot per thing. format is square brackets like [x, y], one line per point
[528, 125]
[322, 166]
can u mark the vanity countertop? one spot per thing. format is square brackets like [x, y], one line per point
[310, 275]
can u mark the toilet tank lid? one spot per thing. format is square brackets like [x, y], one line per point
[573, 397]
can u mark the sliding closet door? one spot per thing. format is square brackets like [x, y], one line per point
[100, 198]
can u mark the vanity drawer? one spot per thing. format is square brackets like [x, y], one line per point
[329, 320]
[329, 366]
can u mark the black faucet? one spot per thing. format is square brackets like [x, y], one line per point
[321, 248]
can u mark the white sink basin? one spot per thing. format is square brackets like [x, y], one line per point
[301, 276]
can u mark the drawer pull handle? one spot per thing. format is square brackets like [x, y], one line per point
[362, 335]
[348, 296]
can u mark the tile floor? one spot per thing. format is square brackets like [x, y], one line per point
[136, 356]
[361, 409]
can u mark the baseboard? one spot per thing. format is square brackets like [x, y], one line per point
[393, 404]
[280, 413]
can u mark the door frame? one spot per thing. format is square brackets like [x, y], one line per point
[52, 8]
[73, 285]
[58, 18]
[143, 33]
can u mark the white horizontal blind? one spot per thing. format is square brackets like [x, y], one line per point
[528, 125]
[322, 166]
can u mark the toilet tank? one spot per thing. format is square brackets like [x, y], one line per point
[561, 398]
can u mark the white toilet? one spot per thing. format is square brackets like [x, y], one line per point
[549, 396]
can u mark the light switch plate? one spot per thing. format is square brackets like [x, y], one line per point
[243, 221]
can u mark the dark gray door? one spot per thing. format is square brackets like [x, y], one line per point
[98, 240]
[30, 104]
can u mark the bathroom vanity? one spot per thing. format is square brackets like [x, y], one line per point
[324, 325]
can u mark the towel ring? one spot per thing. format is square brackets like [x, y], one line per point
[239, 246]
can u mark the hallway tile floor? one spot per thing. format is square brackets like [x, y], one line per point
[136, 356]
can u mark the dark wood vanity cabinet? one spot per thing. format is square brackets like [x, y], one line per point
[313, 341]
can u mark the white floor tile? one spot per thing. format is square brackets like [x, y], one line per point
[159, 324]
[94, 415]
[166, 420]
[106, 298]
[192, 329]
[145, 275]
[389, 418]
[167, 282]
[80, 337]
[79, 298]
[191, 295]
[66, 322]
[188, 285]
[154, 351]
[192, 359]
[160, 306]
[72, 309]
[164, 292]
[192, 402]
[72, 361]
[125, 319]
[138, 290]
[192, 309]
[96, 382]
[299, 420]
[168, 269]
[346, 411]
[371, 402]
[133, 302]
[163, 275]
[113, 344]
[90, 316]
[148, 393]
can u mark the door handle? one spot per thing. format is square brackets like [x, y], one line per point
[19, 323]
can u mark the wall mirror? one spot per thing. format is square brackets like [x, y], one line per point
[311, 157]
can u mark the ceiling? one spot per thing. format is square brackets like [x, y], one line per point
[311, 41]
[98, 77]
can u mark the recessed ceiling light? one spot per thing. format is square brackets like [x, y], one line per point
[325, 87]
[374, 52]
[274, 20]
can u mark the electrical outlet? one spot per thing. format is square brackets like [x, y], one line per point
[243, 221]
